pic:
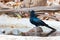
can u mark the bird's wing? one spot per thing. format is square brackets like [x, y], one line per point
[37, 20]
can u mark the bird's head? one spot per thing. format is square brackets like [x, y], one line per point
[32, 13]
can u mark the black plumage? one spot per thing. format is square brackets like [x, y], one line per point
[38, 22]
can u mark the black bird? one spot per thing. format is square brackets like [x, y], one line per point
[38, 22]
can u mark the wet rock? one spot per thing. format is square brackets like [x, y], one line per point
[32, 32]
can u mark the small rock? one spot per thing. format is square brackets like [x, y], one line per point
[32, 32]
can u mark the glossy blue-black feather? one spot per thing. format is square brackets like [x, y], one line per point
[34, 20]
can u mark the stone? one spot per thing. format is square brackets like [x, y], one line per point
[32, 32]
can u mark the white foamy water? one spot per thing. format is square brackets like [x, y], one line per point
[10, 37]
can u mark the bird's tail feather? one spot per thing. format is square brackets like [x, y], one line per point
[49, 27]
[53, 30]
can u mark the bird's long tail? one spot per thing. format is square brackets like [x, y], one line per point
[53, 30]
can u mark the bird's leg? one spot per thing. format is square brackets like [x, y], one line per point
[53, 30]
